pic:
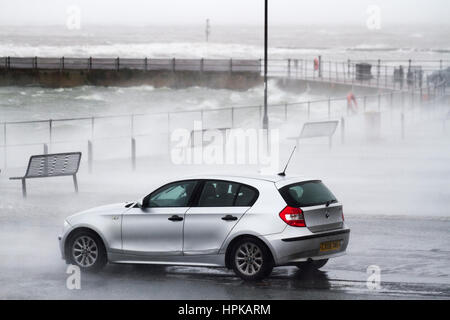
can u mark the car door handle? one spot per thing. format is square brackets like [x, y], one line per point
[229, 218]
[175, 218]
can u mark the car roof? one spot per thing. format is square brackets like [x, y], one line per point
[276, 179]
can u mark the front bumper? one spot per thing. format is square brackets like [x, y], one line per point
[62, 238]
[290, 248]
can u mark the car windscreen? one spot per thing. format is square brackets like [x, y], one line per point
[307, 194]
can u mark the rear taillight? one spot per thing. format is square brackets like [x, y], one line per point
[293, 217]
[343, 215]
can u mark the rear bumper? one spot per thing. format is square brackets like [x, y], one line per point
[288, 249]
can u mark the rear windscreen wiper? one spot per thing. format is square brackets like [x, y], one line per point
[328, 203]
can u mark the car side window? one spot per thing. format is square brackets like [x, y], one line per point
[173, 195]
[218, 194]
[246, 197]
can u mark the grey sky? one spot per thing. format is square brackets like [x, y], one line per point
[139, 12]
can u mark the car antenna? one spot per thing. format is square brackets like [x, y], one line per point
[283, 174]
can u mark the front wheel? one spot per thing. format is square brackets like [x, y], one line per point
[312, 265]
[251, 260]
[86, 250]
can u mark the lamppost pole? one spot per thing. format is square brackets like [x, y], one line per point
[266, 38]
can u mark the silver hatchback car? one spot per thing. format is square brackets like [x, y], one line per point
[245, 223]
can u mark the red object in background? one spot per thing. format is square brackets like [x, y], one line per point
[316, 64]
[352, 104]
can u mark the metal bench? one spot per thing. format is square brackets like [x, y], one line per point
[317, 130]
[51, 165]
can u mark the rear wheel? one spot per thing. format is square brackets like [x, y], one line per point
[251, 259]
[312, 265]
[86, 250]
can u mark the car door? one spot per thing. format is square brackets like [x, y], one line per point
[219, 207]
[157, 227]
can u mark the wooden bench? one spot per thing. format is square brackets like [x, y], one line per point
[51, 165]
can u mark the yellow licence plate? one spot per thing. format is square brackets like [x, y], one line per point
[330, 246]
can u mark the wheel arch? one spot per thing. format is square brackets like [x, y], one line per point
[232, 243]
[80, 229]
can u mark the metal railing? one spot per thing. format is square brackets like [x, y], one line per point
[144, 64]
[384, 74]
[391, 75]
[47, 133]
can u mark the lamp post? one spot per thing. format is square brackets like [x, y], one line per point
[266, 33]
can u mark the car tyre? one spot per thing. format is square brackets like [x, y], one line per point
[251, 259]
[87, 251]
[312, 265]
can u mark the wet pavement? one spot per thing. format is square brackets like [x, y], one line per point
[383, 189]
[412, 256]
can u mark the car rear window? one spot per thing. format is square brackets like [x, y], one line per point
[307, 194]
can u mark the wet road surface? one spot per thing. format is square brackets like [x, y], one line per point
[412, 256]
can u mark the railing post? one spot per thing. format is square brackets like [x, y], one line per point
[309, 110]
[378, 69]
[296, 68]
[92, 127]
[305, 69]
[329, 107]
[337, 72]
[133, 153]
[117, 64]
[90, 155]
[62, 63]
[45, 148]
[50, 131]
[202, 64]
[329, 71]
[90, 63]
[35, 63]
[345, 73]
[231, 65]
[392, 100]
[289, 68]
[4, 146]
[232, 117]
[285, 112]
[146, 64]
[320, 67]
[173, 64]
[386, 76]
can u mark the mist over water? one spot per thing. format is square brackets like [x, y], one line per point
[356, 169]
[332, 42]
